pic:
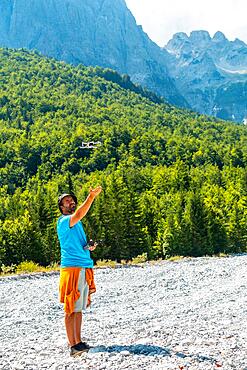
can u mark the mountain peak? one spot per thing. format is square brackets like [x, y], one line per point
[210, 73]
[180, 36]
[239, 42]
[178, 41]
[200, 36]
[219, 36]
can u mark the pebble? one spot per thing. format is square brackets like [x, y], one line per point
[125, 353]
[188, 315]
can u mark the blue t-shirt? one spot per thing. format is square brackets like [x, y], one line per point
[72, 240]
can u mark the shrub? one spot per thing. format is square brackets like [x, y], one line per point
[175, 258]
[8, 269]
[28, 266]
[140, 258]
[106, 263]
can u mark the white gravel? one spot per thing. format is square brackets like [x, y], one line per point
[189, 314]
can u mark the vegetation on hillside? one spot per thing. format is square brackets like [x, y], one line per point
[175, 182]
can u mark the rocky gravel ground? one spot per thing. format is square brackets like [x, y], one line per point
[189, 314]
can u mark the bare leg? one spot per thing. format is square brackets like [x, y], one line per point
[69, 325]
[73, 323]
[77, 326]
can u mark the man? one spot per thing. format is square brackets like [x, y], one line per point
[76, 274]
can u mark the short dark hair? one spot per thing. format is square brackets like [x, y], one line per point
[62, 196]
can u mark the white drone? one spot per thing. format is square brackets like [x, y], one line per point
[90, 144]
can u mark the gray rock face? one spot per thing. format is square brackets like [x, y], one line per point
[207, 74]
[98, 32]
[211, 73]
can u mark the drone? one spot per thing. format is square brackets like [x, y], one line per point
[90, 144]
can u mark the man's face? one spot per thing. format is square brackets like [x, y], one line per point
[68, 205]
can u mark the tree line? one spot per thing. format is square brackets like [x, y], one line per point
[174, 181]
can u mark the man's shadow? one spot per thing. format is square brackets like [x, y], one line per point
[135, 349]
[150, 350]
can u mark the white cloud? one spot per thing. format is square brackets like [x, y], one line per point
[162, 18]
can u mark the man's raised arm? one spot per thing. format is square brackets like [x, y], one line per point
[85, 206]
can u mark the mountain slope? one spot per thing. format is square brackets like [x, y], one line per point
[211, 73]
[41, 96]
[207, 74]
[99, 32]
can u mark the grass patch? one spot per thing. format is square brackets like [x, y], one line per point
[7, 270]
[156, 262]
[106, 263]
[27, 267]
[139, 259]
[175, 258]
[53, 267]
[222, 255]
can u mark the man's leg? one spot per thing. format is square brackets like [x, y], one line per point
[73, 323]
[69, 325]
[77, 326]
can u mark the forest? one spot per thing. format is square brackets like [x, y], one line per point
[174, 181]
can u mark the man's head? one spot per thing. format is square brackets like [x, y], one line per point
[67, 203]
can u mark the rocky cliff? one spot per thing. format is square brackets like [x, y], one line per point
[211, 73]
[98, 32]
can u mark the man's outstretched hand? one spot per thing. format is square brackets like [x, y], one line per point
[95, 192]
[83, 209]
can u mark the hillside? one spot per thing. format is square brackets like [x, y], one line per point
[174, 181]
[98, 33]
[197, 71]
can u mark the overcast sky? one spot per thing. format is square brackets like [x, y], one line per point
[160, 19]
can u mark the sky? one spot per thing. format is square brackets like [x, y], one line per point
[160, 19]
